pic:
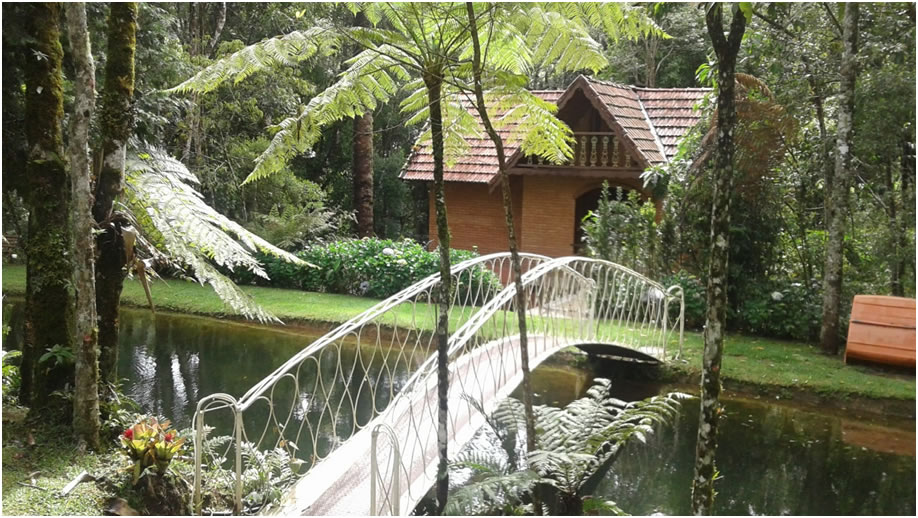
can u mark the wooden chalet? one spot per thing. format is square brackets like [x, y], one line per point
[619, 132]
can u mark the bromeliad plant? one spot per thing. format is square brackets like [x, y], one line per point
[150, 443]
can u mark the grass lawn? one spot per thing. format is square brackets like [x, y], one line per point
[51, 463]
[747, 359]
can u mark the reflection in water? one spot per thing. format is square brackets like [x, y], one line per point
[773, 459]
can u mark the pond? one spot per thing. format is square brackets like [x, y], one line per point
[773, 458]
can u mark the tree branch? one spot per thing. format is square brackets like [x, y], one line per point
[833, 19]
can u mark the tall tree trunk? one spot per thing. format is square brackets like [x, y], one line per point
[433, 80]
[117, 117]
[86, 384]
[49, 294]
[362, 164]
[218, 29]
[511, 233]
[726, 49]
[837, 196]
[896, 233]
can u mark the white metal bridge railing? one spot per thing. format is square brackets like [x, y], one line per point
[334, 387]
[379, 369]
[570, 301]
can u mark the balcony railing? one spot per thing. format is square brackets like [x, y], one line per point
[591, 150]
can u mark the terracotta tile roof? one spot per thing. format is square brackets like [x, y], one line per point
[626, 109]
[670, 111]
[652, 119]
[478, 164]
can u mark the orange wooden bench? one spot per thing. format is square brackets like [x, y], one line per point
[882, 330]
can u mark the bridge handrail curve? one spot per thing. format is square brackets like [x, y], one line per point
[259, 388]
[460, 336]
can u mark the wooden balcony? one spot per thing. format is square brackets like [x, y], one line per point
[592, 150]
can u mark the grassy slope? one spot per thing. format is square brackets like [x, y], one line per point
[747, 359]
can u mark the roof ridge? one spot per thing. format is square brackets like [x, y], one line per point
[608, 83]
[653, 130]
[675, 89]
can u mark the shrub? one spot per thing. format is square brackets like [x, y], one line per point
[372, 267]
[780, 308]
[694, 296]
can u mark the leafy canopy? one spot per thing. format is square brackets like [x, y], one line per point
[410, 41]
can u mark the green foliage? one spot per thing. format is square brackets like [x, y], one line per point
[150, 443]
[286, 50]
[371, 267]
[57, 355]
[577, 440]
[293, 225]
[780, 309]
[693, 291]
[574, 443]
[11, 376]
[177, 225]
[266, 475]
[623, 231]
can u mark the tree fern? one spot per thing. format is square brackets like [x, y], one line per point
[370, 78]
[617, 20]
[286, 50]
[575, 442]
[579, 438]
[176, 224]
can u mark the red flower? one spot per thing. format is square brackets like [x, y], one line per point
[169, 437]
[129, 433]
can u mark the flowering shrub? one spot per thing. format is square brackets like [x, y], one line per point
[150, 443]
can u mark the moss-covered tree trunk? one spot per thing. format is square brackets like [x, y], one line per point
[49, 293]
[433, 80]
[726, 48]
[837, 195]
[511, 233]
[117, 117]
[86, 384]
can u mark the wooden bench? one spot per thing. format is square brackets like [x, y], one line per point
[882, 330]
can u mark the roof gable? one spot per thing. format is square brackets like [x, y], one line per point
[650, 120]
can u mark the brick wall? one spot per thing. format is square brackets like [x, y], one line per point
[543, 206]
[476, 216]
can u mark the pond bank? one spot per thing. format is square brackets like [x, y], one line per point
[752, 365]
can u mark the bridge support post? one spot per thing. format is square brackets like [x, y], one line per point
[208, 404]
[394, 494]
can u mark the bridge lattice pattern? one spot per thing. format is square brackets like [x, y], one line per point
[359, 405]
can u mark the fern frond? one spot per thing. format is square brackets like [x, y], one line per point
[286, 50]
[617, 20]
[370, 78]
[561, 42]
[482, 497]
[175, 219]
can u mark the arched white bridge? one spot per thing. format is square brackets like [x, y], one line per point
[359, 405]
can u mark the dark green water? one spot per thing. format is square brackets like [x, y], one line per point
[774, 459]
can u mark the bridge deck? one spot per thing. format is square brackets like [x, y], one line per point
[340, 484]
